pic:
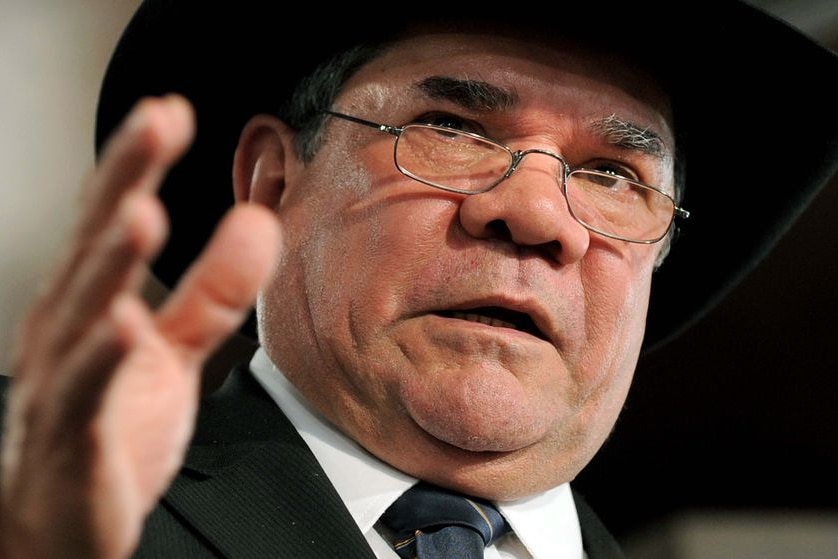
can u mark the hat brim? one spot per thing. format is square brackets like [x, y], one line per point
[756, 99]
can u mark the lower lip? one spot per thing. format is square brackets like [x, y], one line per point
[504, 331]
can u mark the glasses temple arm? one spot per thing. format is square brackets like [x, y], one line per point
[382, 127]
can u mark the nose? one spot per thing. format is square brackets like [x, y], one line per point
[528, 209]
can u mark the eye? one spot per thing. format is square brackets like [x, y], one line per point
[452, 121]
[613, 168]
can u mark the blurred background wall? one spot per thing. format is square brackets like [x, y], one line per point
[728, 446]
[52, 58]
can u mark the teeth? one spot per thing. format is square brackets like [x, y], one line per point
[483, 319]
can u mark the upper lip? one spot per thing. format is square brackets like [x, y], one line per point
[507, 309]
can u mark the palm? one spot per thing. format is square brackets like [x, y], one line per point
[144, 427]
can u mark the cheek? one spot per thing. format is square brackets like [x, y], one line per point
[364, 252]
[617, 293]
[321, 244]
[396, 259]
[617, 280]
[617, 296]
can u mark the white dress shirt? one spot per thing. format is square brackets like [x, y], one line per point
[545, 526]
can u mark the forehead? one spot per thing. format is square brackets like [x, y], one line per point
[546, 74]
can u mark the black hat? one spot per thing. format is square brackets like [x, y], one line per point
[755, 100]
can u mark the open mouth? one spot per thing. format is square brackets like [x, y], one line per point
[498, 317]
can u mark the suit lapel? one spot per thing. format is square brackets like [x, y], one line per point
[251, 486]
[598, 542]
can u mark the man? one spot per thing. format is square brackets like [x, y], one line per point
[471, 216]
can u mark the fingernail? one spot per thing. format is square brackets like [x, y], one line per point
[178, 110]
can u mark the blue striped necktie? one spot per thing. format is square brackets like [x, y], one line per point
[433, 523]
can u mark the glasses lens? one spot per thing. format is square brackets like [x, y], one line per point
[450, 159]
[619, 207]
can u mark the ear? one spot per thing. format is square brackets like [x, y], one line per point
[259, 165]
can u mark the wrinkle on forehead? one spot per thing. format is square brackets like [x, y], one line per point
[375, 95]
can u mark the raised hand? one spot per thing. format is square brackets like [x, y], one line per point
[105, 389]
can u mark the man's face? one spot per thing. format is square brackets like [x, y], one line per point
[484, 342]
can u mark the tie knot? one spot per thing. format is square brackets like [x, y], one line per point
[426, 509]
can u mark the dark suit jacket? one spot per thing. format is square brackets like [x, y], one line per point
[250, 488]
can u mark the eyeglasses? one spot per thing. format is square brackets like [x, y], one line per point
[467, 163]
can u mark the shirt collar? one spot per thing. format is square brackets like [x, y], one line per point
[367, 485]
[547, 524]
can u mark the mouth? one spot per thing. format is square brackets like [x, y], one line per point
[498, 317]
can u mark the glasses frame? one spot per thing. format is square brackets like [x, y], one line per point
[516, 157]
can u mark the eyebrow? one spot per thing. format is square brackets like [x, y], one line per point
[470, 94]
[627, 135]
